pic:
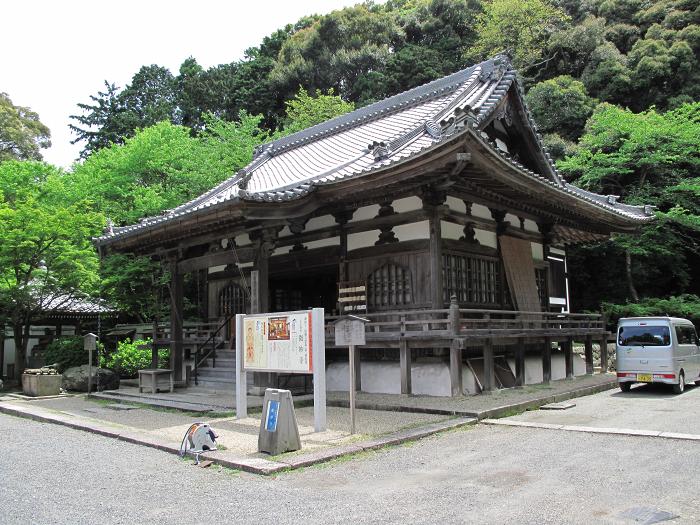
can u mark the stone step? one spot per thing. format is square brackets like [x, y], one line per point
[160, 403]
[217, 372]
[221, 362]
[218, 385]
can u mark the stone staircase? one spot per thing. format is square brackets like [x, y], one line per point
[221, 377]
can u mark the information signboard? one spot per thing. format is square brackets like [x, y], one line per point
[286, 342]
[278, 342]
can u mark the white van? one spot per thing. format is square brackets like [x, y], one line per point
[657, 350]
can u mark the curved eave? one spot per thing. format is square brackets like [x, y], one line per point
[618, 217]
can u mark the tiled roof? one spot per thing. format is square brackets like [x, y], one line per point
[377, 136]
[65, 304]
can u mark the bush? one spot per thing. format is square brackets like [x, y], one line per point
[128, 358]
[686, 306]
[67, 352]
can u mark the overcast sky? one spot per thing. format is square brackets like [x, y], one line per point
[58, 53]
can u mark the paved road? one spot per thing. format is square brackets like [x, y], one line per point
[53, 474]
[645, 407]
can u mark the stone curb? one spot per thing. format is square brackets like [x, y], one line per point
[488, 413]
[538, 402]
[595, 430]
[261, 466]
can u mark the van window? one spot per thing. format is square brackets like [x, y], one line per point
[686, 335]
[644, 336]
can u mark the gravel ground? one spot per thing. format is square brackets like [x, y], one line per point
[645, 407]
[51, 474]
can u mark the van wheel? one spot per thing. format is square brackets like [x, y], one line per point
[680, 387]
[625, 386]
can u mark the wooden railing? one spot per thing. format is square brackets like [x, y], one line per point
[475, 324]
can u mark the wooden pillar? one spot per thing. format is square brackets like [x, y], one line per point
[604, 355]
[260, 299]
[489, 369]
[568, 347]
[405, 366]
[432, 199]
[547, 360]
[342, 218]
[456, 368]
[176, 300]
[589, 354]
[520, 362]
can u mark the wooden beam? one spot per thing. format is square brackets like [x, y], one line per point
[227, 256]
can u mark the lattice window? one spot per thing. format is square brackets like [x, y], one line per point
[473, 279]
[232, 300]
[389, 286]
[541, 280]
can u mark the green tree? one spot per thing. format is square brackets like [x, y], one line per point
[647, 158]
[561, 105]
[304, 111]
[115, 115]
[521, 27]
[22, 135]
[336, 51]
[46, 257]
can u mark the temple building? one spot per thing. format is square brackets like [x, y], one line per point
[436, 213]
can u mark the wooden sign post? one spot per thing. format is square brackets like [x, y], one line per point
[350, 332]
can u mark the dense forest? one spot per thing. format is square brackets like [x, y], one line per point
[614, 86]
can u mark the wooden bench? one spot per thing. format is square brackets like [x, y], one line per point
[153, 378]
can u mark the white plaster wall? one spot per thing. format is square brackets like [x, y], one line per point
[333, 241]
[285, 232]
[533, 368]
[537, 251]
[214, 269]
[407, 204]
[362, 239]
[366, 212]
[316, 223]
[413, 231]
[242, 239]
[513, 219]
[557, 251]
[531, 226]
[456, 204]
[486, 238]
[479, 210]
[433, 379]
[450, 230]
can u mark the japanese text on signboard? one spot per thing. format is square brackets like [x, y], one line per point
[278, 342]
